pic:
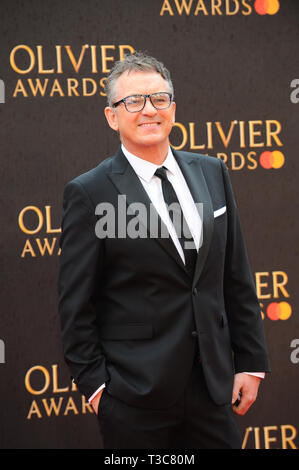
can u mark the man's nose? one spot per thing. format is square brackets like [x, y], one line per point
[149, 109]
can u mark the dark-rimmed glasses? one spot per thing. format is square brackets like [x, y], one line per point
[136, 103]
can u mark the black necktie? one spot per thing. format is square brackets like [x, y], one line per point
[178, 220]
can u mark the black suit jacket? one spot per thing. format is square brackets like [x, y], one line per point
[129, 308]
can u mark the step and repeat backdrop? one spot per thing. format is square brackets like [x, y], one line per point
[234, 65]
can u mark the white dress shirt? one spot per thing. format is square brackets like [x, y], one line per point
[152, 184]
[145, 171]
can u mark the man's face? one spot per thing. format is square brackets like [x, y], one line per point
[146, 130]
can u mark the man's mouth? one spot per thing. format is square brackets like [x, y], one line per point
[149, 124]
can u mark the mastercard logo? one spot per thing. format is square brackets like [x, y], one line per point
[273, 159]
[279, 311]
[266, 7]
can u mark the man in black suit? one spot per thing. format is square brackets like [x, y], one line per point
[161, 328]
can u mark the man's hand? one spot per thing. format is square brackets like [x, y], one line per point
[96, 401]
[247, 386]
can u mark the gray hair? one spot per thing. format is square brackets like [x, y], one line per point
[137, 62]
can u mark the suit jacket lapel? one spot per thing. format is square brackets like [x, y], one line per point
[193, 173]
[127, 183]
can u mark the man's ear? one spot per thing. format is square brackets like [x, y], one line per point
[173, 109]
[111, 118]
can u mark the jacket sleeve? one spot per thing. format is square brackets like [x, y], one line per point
[241, 303]
[80, 267]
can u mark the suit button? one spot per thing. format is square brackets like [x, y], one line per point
[195, 291]
[194, 334]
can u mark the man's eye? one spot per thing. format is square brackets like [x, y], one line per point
[160, 98]
[134, 100]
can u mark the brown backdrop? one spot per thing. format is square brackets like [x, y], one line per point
[236, 79]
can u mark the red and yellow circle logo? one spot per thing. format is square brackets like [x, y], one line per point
[273, 159]
[266, 7]
[279, 311]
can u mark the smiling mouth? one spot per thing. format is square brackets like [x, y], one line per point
[149, 124]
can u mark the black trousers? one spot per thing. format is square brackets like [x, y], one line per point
[194, 422]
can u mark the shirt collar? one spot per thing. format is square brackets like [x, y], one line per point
[146, 169]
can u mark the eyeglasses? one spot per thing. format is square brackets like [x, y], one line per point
[136, 103]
